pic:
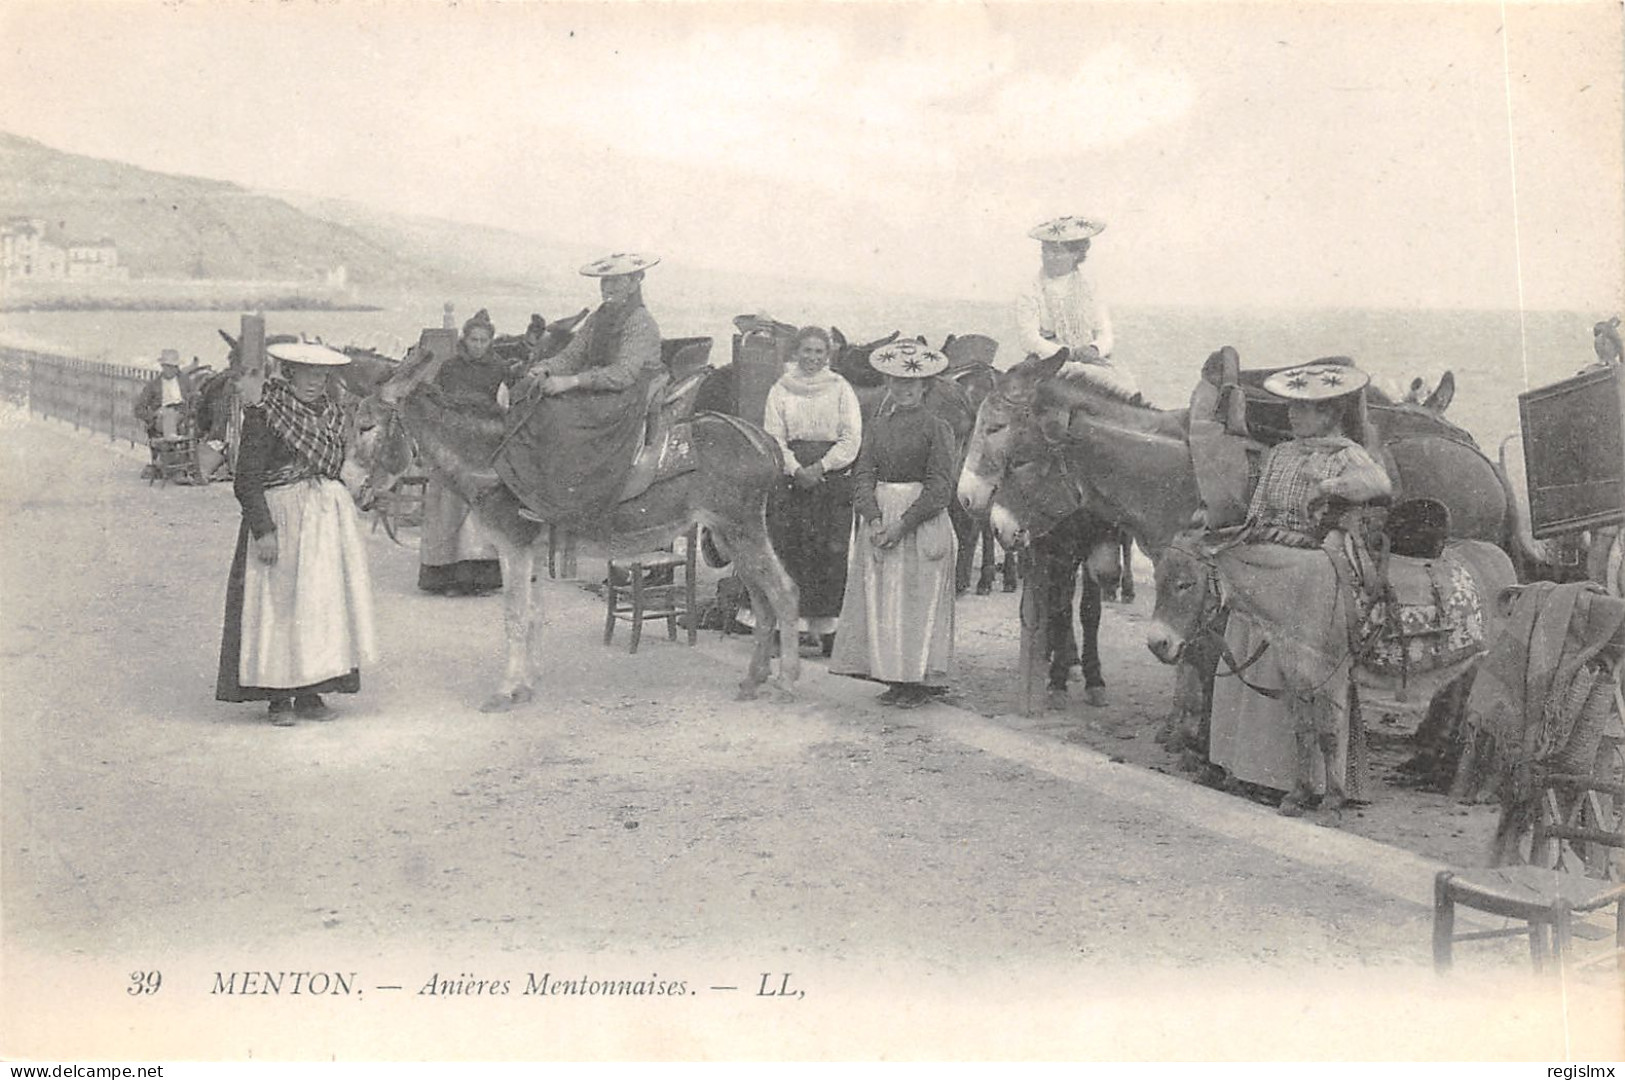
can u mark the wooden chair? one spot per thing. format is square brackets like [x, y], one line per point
[175, 459]
[1546, 898]
[638, 600]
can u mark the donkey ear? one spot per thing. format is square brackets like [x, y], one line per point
[1443, 394]
[231, 341]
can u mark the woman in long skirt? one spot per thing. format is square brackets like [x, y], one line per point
[455, 556]
[897, 618]
[815, 417]
[299, 600]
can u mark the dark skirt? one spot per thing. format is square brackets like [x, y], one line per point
[811, 530]
[227, 686]
[570, 456]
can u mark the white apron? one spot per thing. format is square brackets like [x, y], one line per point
[307, 617]
[897, 618]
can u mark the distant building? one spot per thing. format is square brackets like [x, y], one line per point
[31, 249]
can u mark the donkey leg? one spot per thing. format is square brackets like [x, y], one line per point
[761, 655]
[518, 614]
[965, 530]
[773, 591]
[1094, 682]
[1297, 800]
[990, 561]
[1331, 736]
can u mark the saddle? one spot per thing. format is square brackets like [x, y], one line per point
[1407, 614]
[665, 449]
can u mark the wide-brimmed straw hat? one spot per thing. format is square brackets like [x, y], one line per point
[907, 360]
[306, 352]
[622, 262]
[1065, 230]
[1319, 381]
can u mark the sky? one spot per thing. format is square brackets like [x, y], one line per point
[1311, 154]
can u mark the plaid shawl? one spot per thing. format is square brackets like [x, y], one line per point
[315, 432]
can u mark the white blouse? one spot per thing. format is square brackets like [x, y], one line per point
[824, 409]
[1062, 311]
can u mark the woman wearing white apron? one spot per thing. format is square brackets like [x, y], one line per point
[897, 618]
[299, 601]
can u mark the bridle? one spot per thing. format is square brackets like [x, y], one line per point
[1213, 617]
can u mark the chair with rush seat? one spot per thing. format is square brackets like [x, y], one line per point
[642, 587]
[1578, 829]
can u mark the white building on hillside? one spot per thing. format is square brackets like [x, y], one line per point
[31, 249]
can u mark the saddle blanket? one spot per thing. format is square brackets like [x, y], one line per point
[676, 453]
[1431, 616]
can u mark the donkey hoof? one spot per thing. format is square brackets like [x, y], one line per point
[1292, 805]
[1095, 697]
[747, 691]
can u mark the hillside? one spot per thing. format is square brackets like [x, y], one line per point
[184, 227]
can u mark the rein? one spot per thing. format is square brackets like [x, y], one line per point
[1213, 615]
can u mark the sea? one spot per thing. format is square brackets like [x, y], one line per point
[1494, 355]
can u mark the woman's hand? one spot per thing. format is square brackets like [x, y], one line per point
[887, 536]
[265, 548]
[810, 476]
[553, 385]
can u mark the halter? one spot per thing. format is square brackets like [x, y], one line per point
[1212, 615]
[1208, 619]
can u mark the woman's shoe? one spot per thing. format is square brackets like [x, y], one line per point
[311, 707]
[911, 696]
[281, 712]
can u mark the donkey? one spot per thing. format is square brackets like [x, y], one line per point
[1302, 611]
[736, 467]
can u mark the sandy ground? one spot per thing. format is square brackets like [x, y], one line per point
[813, 878]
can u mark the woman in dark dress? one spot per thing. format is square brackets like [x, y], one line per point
[578, 415]
[454, 555]
[299, 600]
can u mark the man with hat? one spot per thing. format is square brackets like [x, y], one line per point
[1060, 310]
[299, 599]
[897, 617]
[162, 403]
[577, 415]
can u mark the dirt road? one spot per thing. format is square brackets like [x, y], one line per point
[819, 878]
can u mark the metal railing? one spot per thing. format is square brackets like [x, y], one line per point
[89, 395]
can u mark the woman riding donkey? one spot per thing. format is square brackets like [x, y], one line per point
[1061, 313]
[568, 454]
[1305, 485]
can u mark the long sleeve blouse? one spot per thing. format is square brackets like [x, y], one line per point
[1295, 472]
[1062, 312]
[637, 355]
[902, 446]
[822, 409]
[260, 452]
